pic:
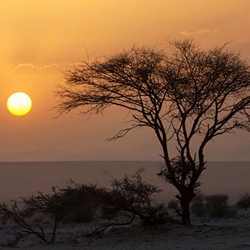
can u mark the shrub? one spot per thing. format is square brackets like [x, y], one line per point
[244, 202]
[22, 213]
[127, 199]
[135, 197]
[81, 202]
[198, 206]
[174, 205]
[74, 203]
[217, 206]
[155, 215]
[213, 206]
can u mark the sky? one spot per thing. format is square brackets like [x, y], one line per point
[42, 38]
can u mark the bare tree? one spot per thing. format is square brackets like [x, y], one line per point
[188, 97]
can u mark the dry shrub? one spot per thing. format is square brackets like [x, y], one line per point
[244, 202]
[135, 197]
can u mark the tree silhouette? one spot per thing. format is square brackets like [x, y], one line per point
[188, 96]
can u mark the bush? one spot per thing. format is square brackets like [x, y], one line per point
[135, 197]
[174, 205]
[217, 206]
[198, 206]
[74, 203]
[81, 202]
[155, 215]
[23, 213]
[127, 199]
[244, 202]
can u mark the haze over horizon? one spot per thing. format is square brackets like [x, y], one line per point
[40, 39]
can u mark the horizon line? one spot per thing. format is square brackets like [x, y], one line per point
[70, 161]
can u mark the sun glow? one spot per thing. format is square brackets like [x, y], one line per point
[19, 104]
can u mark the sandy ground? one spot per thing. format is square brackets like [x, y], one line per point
[230, 234]
[221, 234]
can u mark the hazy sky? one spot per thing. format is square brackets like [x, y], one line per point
[41, 38]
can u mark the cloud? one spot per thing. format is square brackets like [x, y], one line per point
[199, 32]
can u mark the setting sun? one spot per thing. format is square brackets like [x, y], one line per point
[19, 104]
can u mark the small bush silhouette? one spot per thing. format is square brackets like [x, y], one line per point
[23, 213]
[81, 202]
[244, 202]
[198, 206]
[135, 197]
[74, 203]
[217, 206]
[174, 205]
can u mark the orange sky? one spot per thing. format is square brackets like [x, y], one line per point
[40, 38]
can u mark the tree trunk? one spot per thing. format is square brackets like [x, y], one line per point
[185, 211]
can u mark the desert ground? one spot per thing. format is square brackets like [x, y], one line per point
[224, 234]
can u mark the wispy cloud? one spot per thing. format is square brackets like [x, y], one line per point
[199, 32]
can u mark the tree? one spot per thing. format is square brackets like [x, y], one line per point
[188, 97]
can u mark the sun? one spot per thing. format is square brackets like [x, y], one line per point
[19, 104]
